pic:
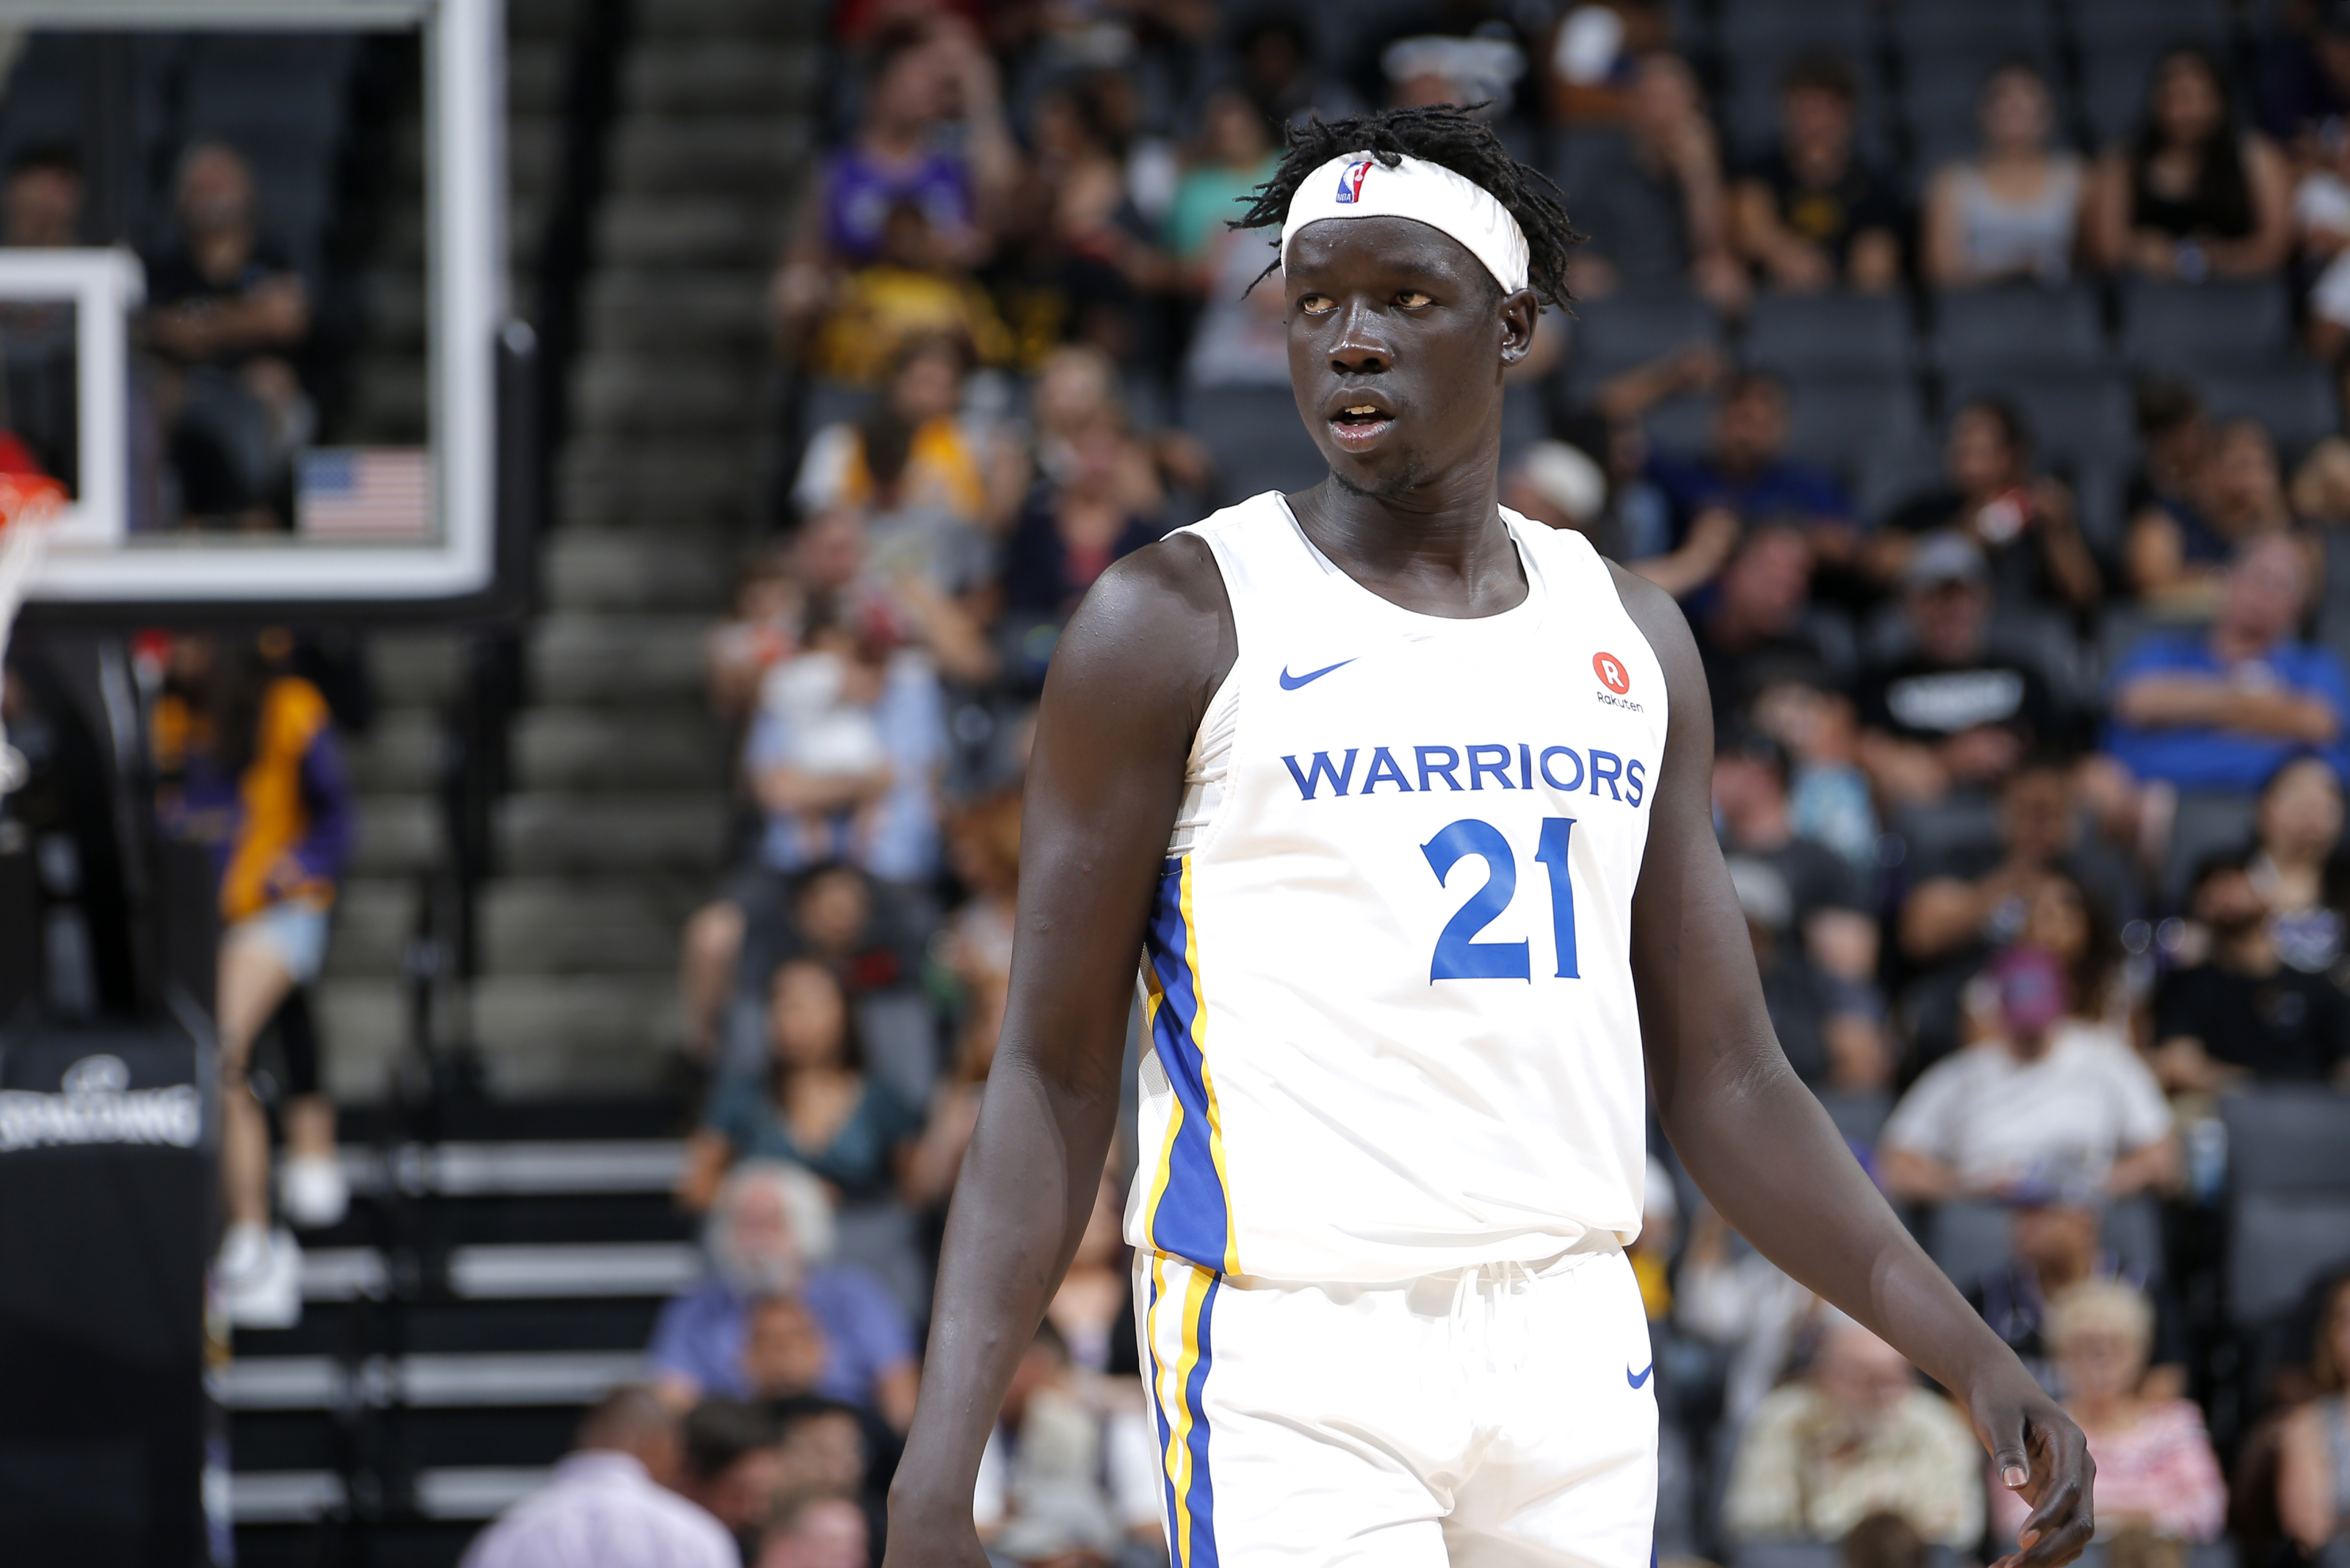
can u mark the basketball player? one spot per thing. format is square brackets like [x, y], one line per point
[1405, 802]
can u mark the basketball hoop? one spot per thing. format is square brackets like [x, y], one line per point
[28, 503]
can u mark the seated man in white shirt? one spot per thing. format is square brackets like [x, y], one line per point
[607, 1504]
[2044, 1089]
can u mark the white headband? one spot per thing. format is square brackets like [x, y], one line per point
[1360, 185]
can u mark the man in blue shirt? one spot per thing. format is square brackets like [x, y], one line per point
[1743, 477]
[770, 1234]
[2224, 708]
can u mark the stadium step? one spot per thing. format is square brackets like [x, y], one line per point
[400, 753]
[396, 834]
[627, 394]
[740, 155]
[698, 480]
[604, 748]
[650, 228]
[560, 832]
[747, 19]
[712, 310]
[717, 76]
[589, 569]
[374, 919]
[481, 1293]
[590, 657]
[571, 925]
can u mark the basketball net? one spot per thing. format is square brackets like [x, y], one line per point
[28, 504]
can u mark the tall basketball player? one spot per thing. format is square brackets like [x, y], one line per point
[1405, 804]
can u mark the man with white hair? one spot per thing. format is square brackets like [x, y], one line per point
[769, 1234]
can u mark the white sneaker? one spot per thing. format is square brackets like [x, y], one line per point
[261, 1277]
[313, 1191]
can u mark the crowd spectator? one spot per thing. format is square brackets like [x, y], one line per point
[2024, 522]
[844, 752]
[1239, 338]
[1755, 625]
[818, 1532]
[1731, 1297]
[1282, 72]
[2055, 1242]
[40, 208]
[1815, 940]
[247, 768]
[1805, 710]
[227, 311]
[729, 1464]
[1652, 196]
[609, 1501]
[899, 170]
[2017, 209]
[769, 1237]
[913, 460]
[2193, 195]
[1063, 1476]
[41, 204]
[2223, 709]
[1952, 713]
[2243, 1015]
[2156, 1468]
[2044, 1089]
[1743, 477]
[2296, 868]
[1812, 213]
[2304, 78]
[2313, 1472]
[816, 1106]
[2179, 545]
[1855, 1437]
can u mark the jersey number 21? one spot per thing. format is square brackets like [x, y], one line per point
[1457, 955]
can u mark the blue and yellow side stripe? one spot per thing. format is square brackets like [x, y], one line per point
[1189, 1212]
[1178, 1390]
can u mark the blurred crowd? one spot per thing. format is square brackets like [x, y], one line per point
[2030, 772]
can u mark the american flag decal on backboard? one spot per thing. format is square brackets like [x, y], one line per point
[365, 493]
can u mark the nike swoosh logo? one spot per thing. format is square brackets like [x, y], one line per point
[1292, 682]
[1640, 1377]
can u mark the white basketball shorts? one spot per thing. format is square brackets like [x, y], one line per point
[1500, 1417]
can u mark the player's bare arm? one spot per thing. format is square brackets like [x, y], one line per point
[1764, 1152]
[1130, 681]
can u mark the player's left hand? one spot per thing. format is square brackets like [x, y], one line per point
[2038, 1452]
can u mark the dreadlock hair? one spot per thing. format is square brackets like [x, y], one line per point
[1442, 134]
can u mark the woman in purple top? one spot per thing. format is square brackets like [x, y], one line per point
[932, 135]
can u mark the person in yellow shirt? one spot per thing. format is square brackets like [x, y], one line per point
[246, 766]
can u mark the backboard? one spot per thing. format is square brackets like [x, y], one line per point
[262, 352]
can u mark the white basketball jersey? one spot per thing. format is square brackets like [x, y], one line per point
[1386, 985]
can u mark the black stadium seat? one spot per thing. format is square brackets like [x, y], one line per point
[1800, 336]
[2289, 1195]
[1837, 423]
[1632, 329]
[1761, 40]
[2010, 325]
[2295, 398]
[2177, 325]
[2207, 823]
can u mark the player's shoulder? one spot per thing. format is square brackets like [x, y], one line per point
[1185, 570]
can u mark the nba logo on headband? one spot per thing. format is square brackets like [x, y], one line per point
[1350, 180]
